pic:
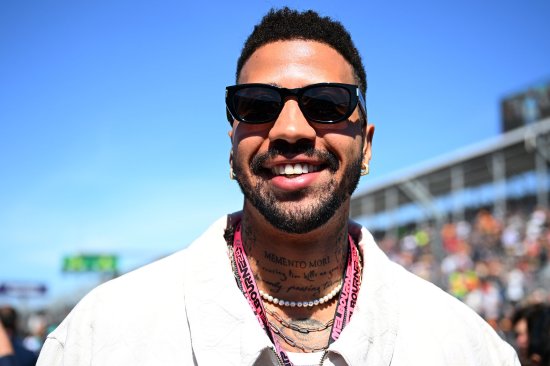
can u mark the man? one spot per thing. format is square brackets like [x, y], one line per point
[289, 280]
[532, 330]
[12, 350]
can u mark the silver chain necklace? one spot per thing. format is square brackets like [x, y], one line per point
[292, 343]
[296, 327]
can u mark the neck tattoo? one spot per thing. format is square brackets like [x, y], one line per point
[347, 290]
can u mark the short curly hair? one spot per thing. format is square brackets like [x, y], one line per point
[288, 24]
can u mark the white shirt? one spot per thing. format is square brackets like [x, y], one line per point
[186, 309]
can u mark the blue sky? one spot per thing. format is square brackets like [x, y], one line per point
[113, 135]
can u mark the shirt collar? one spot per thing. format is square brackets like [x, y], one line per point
[371, 333]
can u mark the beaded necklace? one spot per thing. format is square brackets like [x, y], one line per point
[304, 304]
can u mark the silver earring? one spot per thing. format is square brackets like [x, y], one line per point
[231, 173]
[364, 169]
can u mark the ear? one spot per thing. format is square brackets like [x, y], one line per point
[368, 134]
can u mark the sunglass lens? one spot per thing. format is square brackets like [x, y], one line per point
[257, 104]
[326, 103]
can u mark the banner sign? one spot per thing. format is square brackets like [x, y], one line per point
[22, 289]
[90, 263]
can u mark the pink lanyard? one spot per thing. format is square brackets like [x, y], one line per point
[346, 301]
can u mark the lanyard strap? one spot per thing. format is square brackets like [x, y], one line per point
[348, 296]
[346, 301]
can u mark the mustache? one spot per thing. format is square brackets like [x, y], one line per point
[289, 150]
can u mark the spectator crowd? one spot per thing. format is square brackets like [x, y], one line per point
[498, 266]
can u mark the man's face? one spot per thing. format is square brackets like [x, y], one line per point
[296, 173]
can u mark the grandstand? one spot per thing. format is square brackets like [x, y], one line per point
[511, 166]
[490, 173]
[498, 175]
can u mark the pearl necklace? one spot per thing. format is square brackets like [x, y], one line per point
[304, 304]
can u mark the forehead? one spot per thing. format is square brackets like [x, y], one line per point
[296, 63]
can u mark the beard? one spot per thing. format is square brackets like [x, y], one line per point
[286, 212]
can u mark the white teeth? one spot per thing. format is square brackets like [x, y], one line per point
[290, 169]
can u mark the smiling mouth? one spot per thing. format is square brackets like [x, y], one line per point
[292, 170]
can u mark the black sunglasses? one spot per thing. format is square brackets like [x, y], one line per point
[322, 103]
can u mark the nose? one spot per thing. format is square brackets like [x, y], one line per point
[291, 125]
